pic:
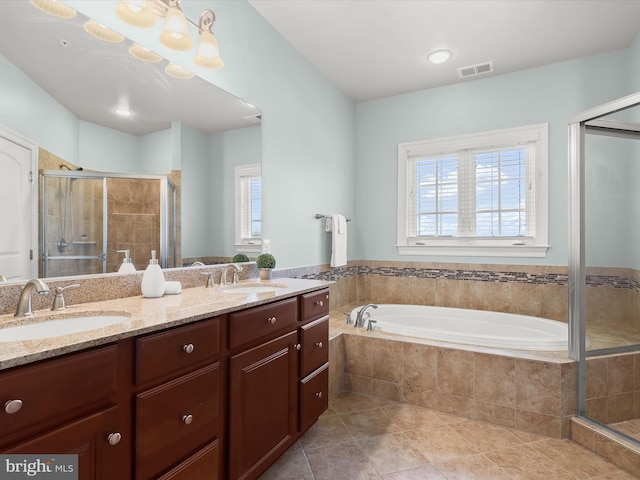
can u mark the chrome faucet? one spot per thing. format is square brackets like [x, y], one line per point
[59, 302]
[24, 308]
[225, 272]
[360, 318]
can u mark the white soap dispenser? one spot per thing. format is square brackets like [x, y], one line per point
[127, 265]
[153, 283]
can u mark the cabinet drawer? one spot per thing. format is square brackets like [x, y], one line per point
[176, 350]
[203, 465]
[314, 396]
[314, 338]
[315, 305]
[57, 387]
[175, 419]
[261, 322]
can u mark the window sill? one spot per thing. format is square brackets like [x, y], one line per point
[525, 251]
[248, 248]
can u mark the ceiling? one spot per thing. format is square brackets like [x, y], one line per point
[377, 48]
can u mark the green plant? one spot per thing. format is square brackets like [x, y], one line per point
[239, 258]
[266, 260]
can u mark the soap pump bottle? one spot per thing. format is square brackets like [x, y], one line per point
[127, 265]
[153, 283]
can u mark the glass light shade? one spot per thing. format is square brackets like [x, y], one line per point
[439, 56]
[136, 13]
[176, 35]
[208, 54]
[177, 71]
[55, 8]
[144, 54]
[103, 33]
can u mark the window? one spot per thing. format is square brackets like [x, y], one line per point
[248, 187]
[483, 194]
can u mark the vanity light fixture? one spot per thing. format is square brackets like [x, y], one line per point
[144, 54]
[136, 13]
[208, 53]
[55, 8]
[103, 33]
[176, 32]
[176, 71]
[439, 56]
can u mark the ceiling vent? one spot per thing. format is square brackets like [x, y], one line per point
[473, 70]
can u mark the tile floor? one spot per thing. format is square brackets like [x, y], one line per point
[362, 437]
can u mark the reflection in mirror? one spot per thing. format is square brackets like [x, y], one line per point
[60, 90]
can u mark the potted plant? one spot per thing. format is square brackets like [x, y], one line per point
[239, 258]
[266, 263]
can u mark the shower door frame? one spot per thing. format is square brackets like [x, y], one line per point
[588, 121]
[166, 237]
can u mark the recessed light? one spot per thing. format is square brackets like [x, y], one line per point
[123, 112]
[439, 56]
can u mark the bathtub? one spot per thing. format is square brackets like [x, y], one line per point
[475, 327]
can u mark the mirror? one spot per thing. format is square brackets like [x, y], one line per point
[61, 86]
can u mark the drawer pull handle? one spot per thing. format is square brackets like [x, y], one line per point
[320, 303]
[298, 346]
[187, 419]
[319, 394]
[188, 348]
[272, 320]
[13, 406]
[114, 438]
[319, 344]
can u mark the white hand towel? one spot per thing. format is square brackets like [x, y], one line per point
[337, 225]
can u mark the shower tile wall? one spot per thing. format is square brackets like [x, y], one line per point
[134, 220]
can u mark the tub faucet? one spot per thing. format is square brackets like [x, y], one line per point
[24, 302]
[225, 271]
[360, 318]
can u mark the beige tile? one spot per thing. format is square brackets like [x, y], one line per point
[358, 384]
[618, 454]
[541, 424]
[583, 435]
[391, 453]
[428, 472]
[620, 374]
[359, 355]
[456, 405]
[495, 379]
[415, 395]
[368, 423]
[486, 437]
[620, 407]
[523, 462]
[476, 467]
[440, 443]
[496, 414]
[538, 386]
[387, 390]
[327, 430]
[292, 465]
[419, 365]
[386, 356]
[573, 458]
[351, 402]
[340, 462]
[455, 373]
[410, 417]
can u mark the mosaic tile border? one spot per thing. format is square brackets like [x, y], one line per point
[558, 279]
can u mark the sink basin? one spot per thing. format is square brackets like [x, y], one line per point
[58, 327]
[257, 288]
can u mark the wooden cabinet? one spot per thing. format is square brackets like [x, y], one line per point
[67, 405]
[221, 398]
[182, 413]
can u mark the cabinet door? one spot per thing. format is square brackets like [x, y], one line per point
[262, 405]
[91, 439]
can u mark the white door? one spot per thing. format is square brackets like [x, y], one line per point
[18, 208]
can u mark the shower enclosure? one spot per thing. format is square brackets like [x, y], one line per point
[87, 218]
[604, 264]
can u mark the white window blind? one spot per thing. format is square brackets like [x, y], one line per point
[478, 194]
[248, 207]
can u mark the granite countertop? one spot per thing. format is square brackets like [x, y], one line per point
[144, 315]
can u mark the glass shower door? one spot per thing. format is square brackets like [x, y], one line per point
[73, 225]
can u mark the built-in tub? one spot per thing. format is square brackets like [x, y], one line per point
[475, 327]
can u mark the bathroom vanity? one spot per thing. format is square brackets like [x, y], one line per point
[208, 396]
